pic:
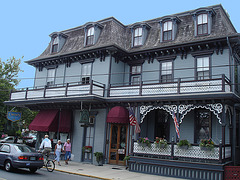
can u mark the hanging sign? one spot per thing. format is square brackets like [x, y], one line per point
[14, 116]
[84, 116]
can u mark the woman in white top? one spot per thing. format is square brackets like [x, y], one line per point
[58, 150]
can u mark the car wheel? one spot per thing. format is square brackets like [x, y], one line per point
[8, 166]
[33, 170]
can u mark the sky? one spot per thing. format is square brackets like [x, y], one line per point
[25, 25]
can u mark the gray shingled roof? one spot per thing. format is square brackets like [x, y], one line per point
[115, 33]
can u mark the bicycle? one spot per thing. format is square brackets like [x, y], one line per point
[49, 164]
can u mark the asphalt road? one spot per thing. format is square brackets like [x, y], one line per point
[43, 174]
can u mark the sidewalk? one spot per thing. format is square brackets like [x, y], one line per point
[107, 172]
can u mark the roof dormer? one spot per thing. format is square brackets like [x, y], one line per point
[203, 21]
[139, 33]
[168, 27]
[92, 33]
[58, 39]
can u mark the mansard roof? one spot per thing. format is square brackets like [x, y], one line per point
[114, 33]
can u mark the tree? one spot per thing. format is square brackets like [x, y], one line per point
[9, 70]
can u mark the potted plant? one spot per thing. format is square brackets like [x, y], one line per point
[87, 149]
[144, 142]
[126, 158]
[99, 157]
[183, 144]
[206, 144]
[160, 142]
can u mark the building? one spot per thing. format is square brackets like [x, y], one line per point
[183, 66]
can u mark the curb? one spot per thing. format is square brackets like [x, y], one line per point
[69, 172]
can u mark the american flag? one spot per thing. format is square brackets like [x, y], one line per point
[176, 125]
[133, 120]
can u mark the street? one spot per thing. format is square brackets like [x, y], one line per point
[24, 174]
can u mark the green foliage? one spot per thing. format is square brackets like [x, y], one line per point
[183, 143]
[126, 158]
[99, 156]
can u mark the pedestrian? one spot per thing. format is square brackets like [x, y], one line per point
[46, 146]
[58, 150]
[67, 149]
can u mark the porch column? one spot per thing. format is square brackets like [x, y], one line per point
[234, 135]
[223, 130]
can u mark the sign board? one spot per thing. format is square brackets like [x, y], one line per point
[14, 116]
[121, 151]
[84, 116]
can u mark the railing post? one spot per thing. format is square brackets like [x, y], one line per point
[91, 87]
[44, 91]
[26, 93]
[108, 90]
[220, 151]
[223, 83]
[66, 90]
[178, 85]
[10, 96]
[140, 88]
[172, 149]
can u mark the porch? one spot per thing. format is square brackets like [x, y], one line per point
[191, 163]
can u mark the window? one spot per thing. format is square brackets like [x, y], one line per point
[167, 31]
[90, 36]
[136, 74]
[5, 148]
[202, 125]
[166, 72]
[202, 24]
[86, 73]
[138, 36]
[55, 45]
[203, 68]
[50, 77]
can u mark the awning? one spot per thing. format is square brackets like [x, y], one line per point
[65, 120]
[46, 120]
[118, 114]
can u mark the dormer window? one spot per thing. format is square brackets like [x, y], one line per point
[55, 45]
[139, 34]
[57, 41]
[90, 36]
[203, 21]
[137, 37]
[202, 24]
[167, 31]
[92, 33]
[169, 28]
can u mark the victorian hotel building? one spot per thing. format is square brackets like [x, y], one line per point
[183, 66]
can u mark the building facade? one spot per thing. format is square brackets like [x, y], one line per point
[183, 66]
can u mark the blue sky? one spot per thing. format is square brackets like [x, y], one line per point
[25, 25]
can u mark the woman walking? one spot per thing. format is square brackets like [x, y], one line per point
[58, 150]
[67, 149]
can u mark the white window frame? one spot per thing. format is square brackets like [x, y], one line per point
[51, 76]
[167, 27]
[167, 71]
[86, 73]
[136, 71]
[202, 19]
[203, 67]
[90, 36]
[138, 36]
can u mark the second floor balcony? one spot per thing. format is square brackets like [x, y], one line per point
[146, 88]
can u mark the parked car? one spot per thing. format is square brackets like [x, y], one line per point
[19, 156]
[30, 140]
[9, 139]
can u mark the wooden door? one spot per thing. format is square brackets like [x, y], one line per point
[118, 143]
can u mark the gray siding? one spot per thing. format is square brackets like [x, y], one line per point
[100, 70]
[40, 78]
[60, 74]
[73, 73]
[117, 73]
[151, 71]
[77, 136]
[184, 68]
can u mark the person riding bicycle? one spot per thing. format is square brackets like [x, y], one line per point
[46, 145]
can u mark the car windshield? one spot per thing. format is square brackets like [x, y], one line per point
[20, 148]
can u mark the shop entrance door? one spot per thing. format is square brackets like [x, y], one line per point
[118, 143]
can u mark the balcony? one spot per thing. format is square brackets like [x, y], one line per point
[67, 90]
[221, 84]
[147, 88]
